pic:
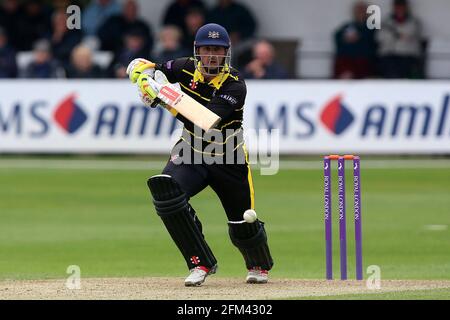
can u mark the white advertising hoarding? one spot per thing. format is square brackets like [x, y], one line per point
[80, 117]
[106, 116]
[354, 116]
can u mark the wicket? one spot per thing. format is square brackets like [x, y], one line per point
[342, 219]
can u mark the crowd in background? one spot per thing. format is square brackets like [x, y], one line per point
[395, 51]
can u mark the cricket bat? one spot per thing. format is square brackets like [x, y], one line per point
[188, 107]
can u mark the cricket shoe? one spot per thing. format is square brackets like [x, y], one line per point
[198, 275]
[257, 275]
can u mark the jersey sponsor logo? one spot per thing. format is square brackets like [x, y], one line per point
[230, 99]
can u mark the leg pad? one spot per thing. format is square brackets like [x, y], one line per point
[254, 247]
[180, 220]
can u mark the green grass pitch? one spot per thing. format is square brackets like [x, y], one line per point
[104, 222]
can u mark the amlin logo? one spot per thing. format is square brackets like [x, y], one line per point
[394, 118]
[336, 116]
[69, 115]
[39, 117]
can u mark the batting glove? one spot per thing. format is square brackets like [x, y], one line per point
[151, 86]
[140, 66]
[147, 101]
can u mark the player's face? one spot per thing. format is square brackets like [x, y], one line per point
[212, 58]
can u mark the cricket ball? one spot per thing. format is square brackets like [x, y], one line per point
[250, 216]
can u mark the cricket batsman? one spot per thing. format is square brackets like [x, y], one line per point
[209, 79]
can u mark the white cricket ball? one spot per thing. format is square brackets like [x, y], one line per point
[250, 216]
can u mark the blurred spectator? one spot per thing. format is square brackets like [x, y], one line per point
[234, 17]
[8, 64]
[63, 4]
[112, 32]
[43, 65]
[10, 16]
[33, 24]
[82, 65]
[355, 47]
[263, 65]
[194, 19]
[134, 48]
[400, 44]
[170, 45]
[97, 13]
[62, 39]
[176, 13]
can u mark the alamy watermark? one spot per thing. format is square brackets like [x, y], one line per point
[374, 17]
[73, 17]
[374, 280]
[73, 282]
[230, 146]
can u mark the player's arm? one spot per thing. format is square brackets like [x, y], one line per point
[143, 66]
[172, 95]
[172, 69]
[142, 72]
[228, 99]
[139, 69]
